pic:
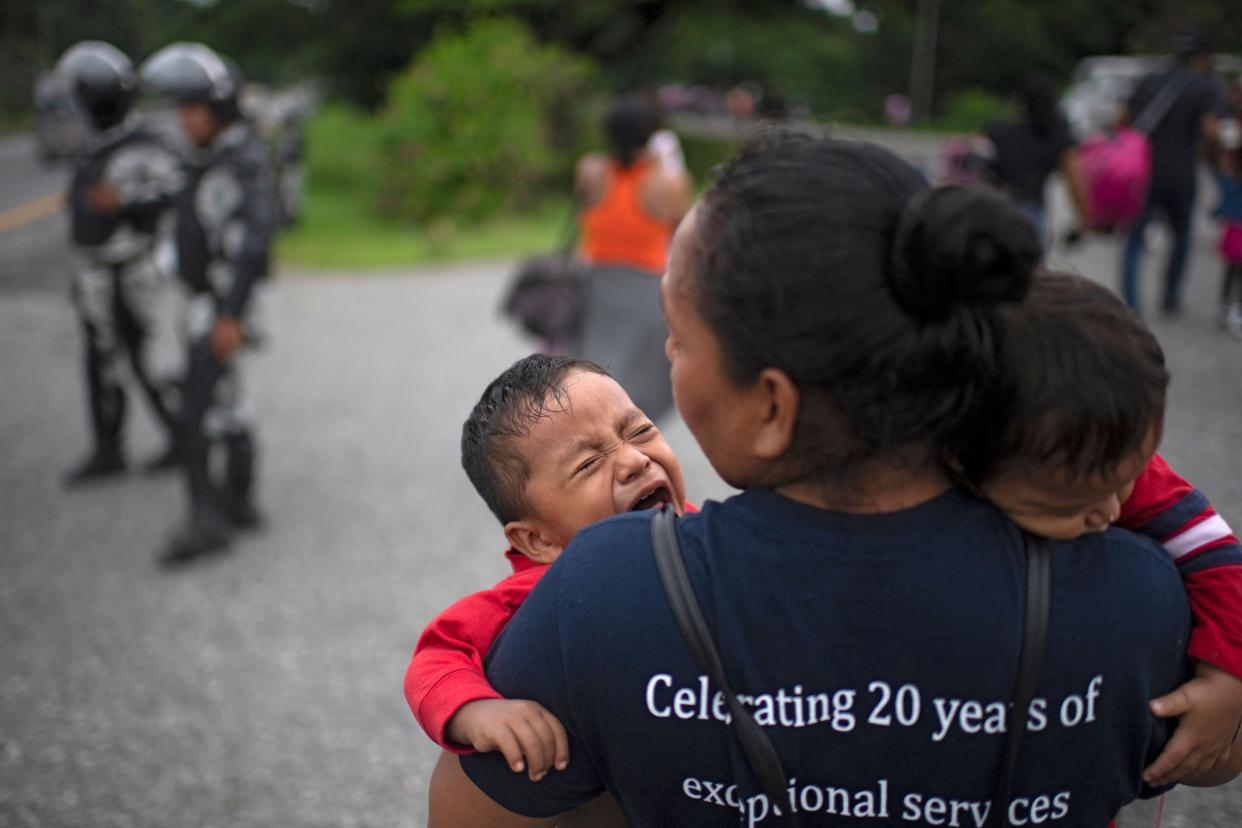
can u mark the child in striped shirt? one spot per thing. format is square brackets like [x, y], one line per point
[1081, 410]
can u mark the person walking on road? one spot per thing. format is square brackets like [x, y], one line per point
[124, 180]
[632, 197]
[1188, 119]
[226, 217]
[1025, 151]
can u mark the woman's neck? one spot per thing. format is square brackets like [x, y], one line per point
[876, 487]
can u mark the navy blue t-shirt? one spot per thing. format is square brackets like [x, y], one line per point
[877, 651]
[1175, 139]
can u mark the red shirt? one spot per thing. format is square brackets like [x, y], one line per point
[1169, 510]
[446, 671]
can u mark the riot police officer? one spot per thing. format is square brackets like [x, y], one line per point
[123, 181]
[226, 217]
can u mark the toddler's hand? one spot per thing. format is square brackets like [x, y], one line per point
[530, 737]
[1210, 707]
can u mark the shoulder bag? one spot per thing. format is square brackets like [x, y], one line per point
[545, 295]
[760, 754]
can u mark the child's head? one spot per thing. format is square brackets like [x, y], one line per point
[1079, 413]
[555, 444]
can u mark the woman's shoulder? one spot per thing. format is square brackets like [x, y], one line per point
[617, 550]
[591, 176]
[604, 537]
[1120, 541]
[1120, 564]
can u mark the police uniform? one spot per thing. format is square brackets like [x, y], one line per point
[116, 284]
[226, 216]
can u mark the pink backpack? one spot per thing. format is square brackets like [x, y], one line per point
[1117, 167]
[1117, 170]
[1231, 242]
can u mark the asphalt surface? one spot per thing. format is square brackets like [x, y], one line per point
[263, 687]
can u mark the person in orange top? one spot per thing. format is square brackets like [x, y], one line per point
[632, 199]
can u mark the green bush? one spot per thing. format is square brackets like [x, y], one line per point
[971, 108]
[342, 153]
[480, 123]
[704, 154]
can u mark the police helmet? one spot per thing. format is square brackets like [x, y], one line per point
[194, 73]
[102, 79]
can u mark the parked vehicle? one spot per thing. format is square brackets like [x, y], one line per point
[1100, 86]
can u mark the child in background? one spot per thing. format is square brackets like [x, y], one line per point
[1229, 179]
[1071, 454]
[554, 445]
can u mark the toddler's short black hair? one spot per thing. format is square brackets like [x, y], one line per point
[510, 405]
[1082, 384]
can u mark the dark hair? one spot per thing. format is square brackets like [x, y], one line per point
[1039, 101]
[832, 261]
[1083, 384]
[511, 404]
[1190, 45]
[628, 126]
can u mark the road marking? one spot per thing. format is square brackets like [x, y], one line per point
[31, 211]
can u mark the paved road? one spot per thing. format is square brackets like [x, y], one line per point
[25, 178]
[263, 688]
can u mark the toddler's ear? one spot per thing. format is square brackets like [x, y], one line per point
[528, 537]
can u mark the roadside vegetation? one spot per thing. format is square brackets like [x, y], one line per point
[470, 156]
[452, 127]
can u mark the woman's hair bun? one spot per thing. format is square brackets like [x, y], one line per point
[962, 245]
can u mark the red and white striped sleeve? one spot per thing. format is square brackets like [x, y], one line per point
[1166, 508]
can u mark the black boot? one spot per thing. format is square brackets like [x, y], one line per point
[238, 500]
[205, 533]
[167, 460]
[106, 403]
[208, 529]
[104, 463]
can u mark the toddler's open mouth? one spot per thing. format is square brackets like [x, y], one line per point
[652, 499]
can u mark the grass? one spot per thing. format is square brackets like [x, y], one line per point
[337, 231]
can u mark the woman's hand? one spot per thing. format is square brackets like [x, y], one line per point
[1210, 710]
[529, 737]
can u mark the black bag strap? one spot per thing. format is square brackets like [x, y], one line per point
[1159, 106]
[1030, 665]
[567, 237]
[759, 751]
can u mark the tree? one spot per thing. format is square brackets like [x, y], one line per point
[469, 130]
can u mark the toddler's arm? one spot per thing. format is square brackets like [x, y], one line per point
[446, 671]
[1165, 507]
[530, 738]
